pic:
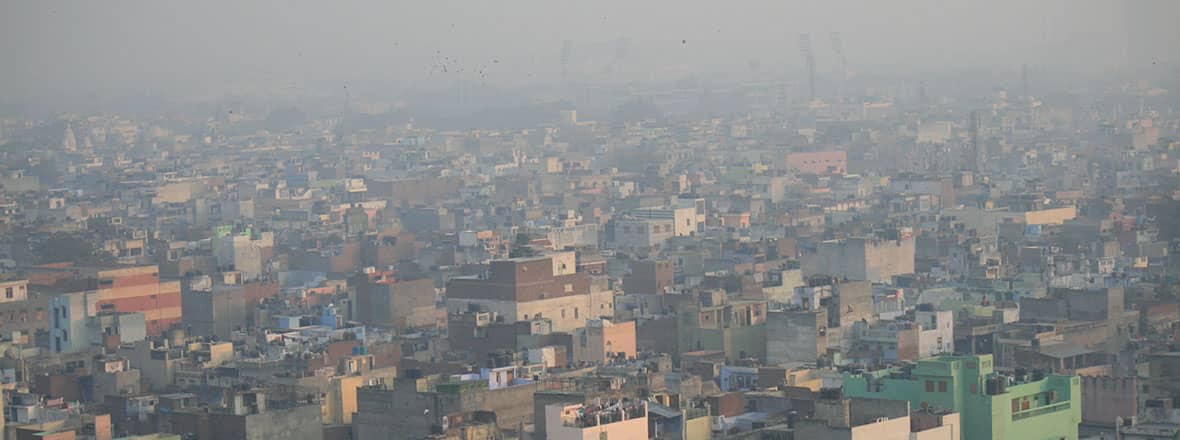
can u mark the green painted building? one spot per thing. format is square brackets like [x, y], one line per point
[992, 406]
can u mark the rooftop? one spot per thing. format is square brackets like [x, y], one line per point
[603, 413]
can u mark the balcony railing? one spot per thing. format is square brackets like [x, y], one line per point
[1041, 410]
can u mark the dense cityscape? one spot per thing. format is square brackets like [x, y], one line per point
[789, 252]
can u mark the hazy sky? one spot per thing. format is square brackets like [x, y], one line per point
[218, 46]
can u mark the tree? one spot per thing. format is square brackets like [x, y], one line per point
[62, 247]
[522, 239]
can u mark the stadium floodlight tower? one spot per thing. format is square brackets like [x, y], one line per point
[808, 61]
[838, 49]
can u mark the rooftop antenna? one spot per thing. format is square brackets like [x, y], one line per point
[808, 61]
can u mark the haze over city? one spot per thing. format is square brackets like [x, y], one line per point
[205, 49]
[533, 220]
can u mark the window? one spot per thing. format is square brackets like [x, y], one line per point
[930, 386]
[8, 293]
[575, 313]
[942, 386]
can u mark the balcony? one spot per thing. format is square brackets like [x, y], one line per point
[1040, 410]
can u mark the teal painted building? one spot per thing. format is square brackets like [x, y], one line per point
[992, 406]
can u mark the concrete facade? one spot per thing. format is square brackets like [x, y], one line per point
[14, 291]
[642, 233]
[796, 336]
[394, 303]
[1105, 399]
[684, 218]
[215, 312]
[738, 329]
[412, 409]
[937, 334]
[649, 277]
[861, 259]
[67, 328]
[601, 340]
[523, 289]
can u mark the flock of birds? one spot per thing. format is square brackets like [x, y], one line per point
[445, 64]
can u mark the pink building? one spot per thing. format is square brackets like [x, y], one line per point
[611, 419]
[601, 341]
[818, 162]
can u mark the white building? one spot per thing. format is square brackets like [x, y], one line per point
[937, 335]
[684, 218]
[642, 233]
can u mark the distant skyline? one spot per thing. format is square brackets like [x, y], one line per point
[210, 48]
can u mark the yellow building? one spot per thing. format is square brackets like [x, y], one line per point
[353, 372]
